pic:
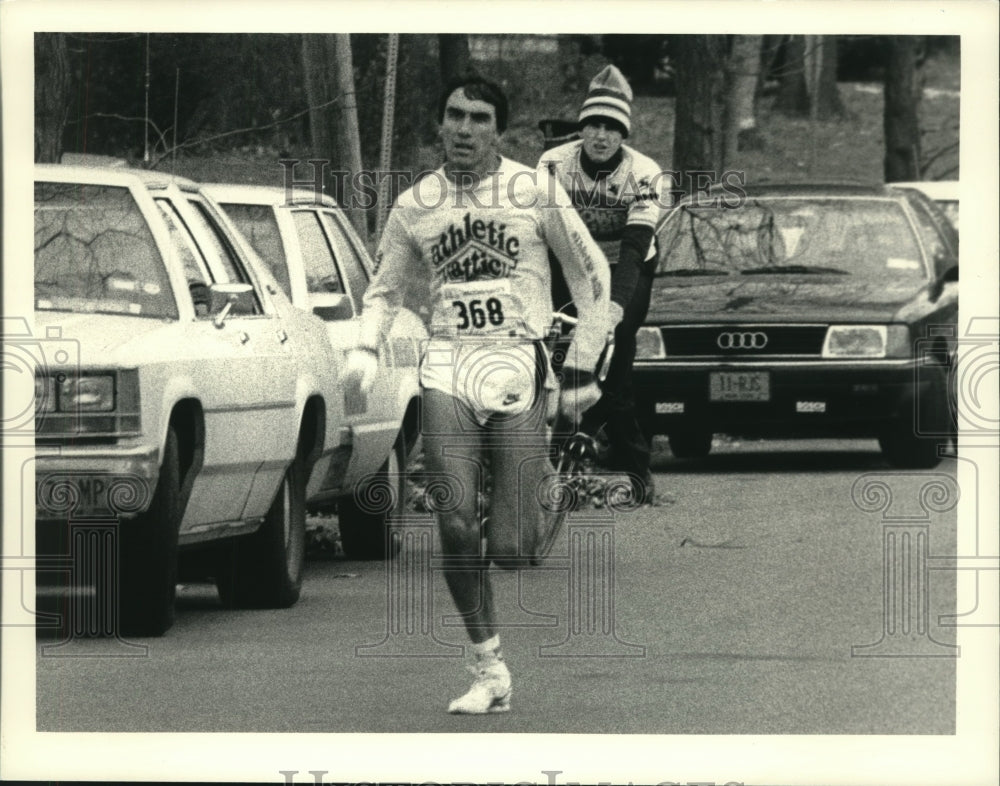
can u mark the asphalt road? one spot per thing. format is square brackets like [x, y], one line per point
[729, 608]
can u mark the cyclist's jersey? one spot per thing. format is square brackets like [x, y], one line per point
[484, 252]
[636, 193]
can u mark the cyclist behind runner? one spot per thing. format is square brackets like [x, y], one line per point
[620, 195]
[480, 229]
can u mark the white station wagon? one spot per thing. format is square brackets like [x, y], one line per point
[190, 400]
[321, 263]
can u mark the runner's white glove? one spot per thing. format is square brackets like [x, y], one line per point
[360, 369]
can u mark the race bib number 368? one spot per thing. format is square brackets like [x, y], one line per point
[477, 307]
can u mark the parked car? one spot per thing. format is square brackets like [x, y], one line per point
[186, 396]
[943, 192]
[802, 310]
[321, 263]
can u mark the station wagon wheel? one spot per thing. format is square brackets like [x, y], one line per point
[363, 517]
[148, 554]
[690, 443]
[264, 570]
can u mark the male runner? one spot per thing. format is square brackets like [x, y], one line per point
[480, 228]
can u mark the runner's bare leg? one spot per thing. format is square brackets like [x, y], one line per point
[453, 452]
[520, 462]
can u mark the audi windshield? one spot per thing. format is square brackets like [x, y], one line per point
[94, 252]
[867, 237]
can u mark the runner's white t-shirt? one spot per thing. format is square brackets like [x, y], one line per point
[484, 251]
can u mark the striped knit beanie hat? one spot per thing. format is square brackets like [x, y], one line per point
[609, 96]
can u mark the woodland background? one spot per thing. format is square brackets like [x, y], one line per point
[228, 107]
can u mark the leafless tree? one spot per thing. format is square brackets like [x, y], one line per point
[52, 93]
[700, 79]
[808, 78]
[742, 75]
[901, 122]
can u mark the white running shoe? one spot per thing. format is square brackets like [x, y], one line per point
[489, 693]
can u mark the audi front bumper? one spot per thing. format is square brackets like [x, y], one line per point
[782, 398]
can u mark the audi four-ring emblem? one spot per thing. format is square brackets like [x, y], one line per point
[748, 340]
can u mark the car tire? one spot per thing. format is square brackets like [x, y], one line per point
[264, 570]
[902, 446]
[363, 521]
[903, 450]
[690, 444]
[148, 554]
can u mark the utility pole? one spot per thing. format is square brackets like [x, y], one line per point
[333, 116]
[348, 140]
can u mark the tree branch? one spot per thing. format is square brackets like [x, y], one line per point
[926, 164]
[237, 131]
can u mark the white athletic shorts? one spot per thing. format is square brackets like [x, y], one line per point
[490, 377]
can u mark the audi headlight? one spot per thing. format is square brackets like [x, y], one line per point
[649, 344]
[866, 341]
[87, 394]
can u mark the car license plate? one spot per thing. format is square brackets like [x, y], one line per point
[739, 386]
[77, 494]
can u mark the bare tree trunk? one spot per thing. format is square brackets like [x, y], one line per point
[52, 86]
[742, 73]
[900, 112]
[454, 55]
[827, 94]
[808, 81]
[793, 94]
[821, 77]
[319, 93]
[568, 48]
[698, 137]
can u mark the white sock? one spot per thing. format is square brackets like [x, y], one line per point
[488, 651]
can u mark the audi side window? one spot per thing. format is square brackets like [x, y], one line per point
[347, 257]
[940, 247]
[936, 220]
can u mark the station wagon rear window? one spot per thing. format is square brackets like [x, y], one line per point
[94, 252]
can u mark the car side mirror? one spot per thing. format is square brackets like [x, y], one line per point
[331, 306]
[226, 299]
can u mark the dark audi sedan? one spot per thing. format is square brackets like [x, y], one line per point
[803, 311]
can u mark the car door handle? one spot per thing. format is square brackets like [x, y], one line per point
[282, 336]
[244, 337]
